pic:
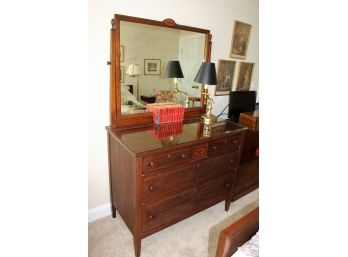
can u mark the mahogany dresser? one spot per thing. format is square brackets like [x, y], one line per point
[157, 182]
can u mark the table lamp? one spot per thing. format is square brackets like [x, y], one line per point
[174, 71]
[133, 70]
[207, 76]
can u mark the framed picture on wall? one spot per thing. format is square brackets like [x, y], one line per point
[225, 77]
[240, 39]
[245, 72]
[122, 53]
[152, 66]
[121, 74]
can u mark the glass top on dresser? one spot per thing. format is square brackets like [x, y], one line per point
[158, 137]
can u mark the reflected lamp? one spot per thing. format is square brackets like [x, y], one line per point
[133, 70]
[174, 71]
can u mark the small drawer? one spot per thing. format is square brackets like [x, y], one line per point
[196, 172]
[154, 162]
[199, 151]
[223, 145]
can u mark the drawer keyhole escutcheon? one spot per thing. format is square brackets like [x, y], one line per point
[198, 152]
[151, 188]
[150, 217]
[183, 156]
[228, 185]
[214, 148]
[152, 164]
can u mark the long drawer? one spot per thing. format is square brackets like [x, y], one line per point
[189, 175]
[170, 209]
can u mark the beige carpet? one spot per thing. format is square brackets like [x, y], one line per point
[110, 237]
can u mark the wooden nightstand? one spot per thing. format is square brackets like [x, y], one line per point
[248, 171]
[250, 120]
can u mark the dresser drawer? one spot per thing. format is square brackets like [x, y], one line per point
[174, 157]
[166, 210]
[194, 173]
[156, 161]
[214, 190]
[171, 209]
[223, 145]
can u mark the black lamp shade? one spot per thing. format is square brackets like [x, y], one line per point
[206, 74]
[173, 70]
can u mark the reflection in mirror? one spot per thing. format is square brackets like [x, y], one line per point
[174, 71]
[152, 48]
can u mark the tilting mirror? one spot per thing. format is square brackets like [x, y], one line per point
[143, 54]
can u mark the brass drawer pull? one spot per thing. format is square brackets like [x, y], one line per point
[231, 161]
[226, 141]
[183, 156]
[152, 164]
[228, 185]
[235, 141]
[150, 217]
[169, 155]
[214, 147]
[151, 188]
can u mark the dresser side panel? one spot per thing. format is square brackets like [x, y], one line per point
[123, 181]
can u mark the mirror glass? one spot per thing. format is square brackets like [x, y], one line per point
[144, 54]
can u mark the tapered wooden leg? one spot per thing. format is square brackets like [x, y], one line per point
[227, 204]
[113, 211]
[137, 246]
[228, 199]
[231, 192]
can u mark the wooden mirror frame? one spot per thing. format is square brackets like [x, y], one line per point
[141, 119]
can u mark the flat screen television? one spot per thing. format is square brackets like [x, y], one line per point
[241, 101]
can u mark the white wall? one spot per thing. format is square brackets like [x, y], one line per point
[148, 42]
[217, 16]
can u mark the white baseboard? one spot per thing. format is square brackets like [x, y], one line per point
[99, 212]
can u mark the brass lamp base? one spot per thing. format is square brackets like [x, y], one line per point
[208, 118]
